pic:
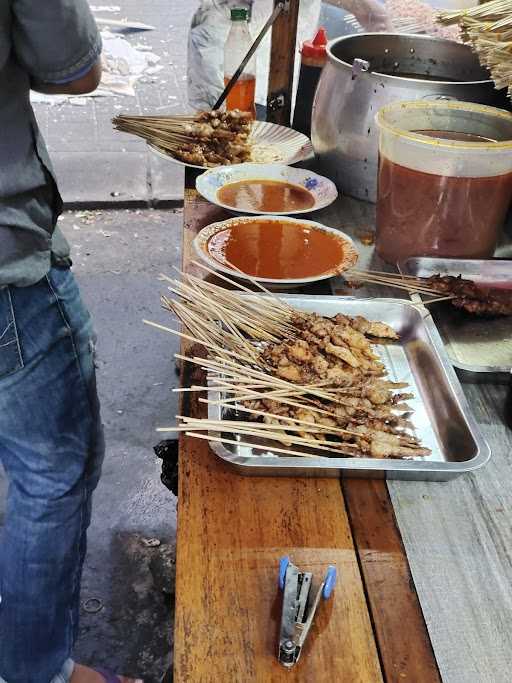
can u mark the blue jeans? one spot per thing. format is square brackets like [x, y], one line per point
[51, 447]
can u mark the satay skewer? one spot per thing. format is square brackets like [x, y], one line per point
[208, 345]
[285, 451]
[304, 423]
[267, 433]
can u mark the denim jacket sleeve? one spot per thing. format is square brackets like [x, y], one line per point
[54, 39]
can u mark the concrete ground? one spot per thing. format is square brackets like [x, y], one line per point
[127, 589]
[117, 258]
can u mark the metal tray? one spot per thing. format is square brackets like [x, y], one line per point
[442, 418]
[474, 345]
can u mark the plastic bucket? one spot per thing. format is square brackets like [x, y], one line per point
[444, 180]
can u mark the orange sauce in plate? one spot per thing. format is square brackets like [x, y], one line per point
[268, 196]
[279, 250]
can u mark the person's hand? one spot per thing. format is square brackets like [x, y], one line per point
[372, 15]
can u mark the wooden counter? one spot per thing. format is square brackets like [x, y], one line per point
[232, 530]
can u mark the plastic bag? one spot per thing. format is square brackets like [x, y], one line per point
[207, 36]
[208, 33]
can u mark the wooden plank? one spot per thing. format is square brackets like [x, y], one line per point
[458, 538]
[282, 64]
[232, 530]
[393, 600]
[457, 535]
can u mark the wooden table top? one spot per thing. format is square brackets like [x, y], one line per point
[409, 554]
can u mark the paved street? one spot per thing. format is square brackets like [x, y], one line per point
[96, 164]
[118, 257]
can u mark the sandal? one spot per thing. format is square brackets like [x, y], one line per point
[115, 678]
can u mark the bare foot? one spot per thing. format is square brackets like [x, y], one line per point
[82, 674]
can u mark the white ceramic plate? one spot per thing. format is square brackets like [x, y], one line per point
[201, 248]
[272, 144]
[323, 190]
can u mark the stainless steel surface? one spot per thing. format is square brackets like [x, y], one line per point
[287, 654]
[297, 614]
[344, 133]
[474, 345]
[441, 415]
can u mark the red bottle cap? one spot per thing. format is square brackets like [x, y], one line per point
[315, 48]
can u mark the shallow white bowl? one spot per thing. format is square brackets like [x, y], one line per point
[201, 248]
[323, 190]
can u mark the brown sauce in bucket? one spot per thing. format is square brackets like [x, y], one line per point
[269, 196]
[422, 214]
[277, 249]
[454, 135]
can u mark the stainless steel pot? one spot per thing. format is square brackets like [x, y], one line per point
[365, 72]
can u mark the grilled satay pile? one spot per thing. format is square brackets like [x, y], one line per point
[465, 294]
[471, 297]
[209, 139]
[358, 400]
[217, 139]
[287, 382]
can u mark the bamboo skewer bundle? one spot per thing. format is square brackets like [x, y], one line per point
[488, 28]
[207, 139]
[220, 320]
[408, 283]
[287, 417]
[472, 297]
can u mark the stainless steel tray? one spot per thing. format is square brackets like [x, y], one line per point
[474, 345]
[442, 418]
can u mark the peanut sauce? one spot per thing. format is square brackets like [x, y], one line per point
[269, 196]
[277, 249]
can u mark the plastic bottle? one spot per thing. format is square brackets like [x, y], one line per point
[314, 56]
[239, 40]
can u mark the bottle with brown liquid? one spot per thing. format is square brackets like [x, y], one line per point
[239, 40]
[314, 57]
